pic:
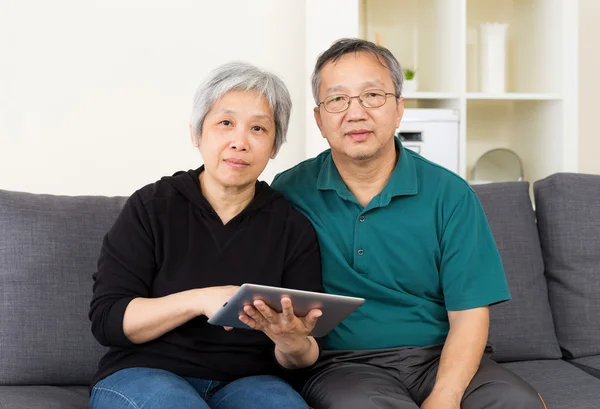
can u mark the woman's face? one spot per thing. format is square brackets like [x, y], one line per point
[237, 139]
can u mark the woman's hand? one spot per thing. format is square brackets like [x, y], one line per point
[212, 298]
[293, 346]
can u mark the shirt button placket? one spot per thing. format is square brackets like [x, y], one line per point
[359, 263]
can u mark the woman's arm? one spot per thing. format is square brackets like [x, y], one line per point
[126, 271]
[148, 318]
[121, 311]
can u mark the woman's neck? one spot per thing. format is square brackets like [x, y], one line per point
[227, 202]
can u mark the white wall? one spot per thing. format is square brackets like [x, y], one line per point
[95, 97]
[326, 21]
[589, 86]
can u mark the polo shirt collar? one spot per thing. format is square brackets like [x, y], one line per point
[403, 181]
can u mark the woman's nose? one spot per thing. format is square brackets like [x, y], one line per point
[239, 140]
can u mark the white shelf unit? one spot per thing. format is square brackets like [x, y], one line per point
[537, 115]
[513, 96]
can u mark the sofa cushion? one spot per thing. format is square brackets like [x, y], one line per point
[49, 246]
[561, 385]
[568, 211]
[44, 397]
[522, 328]
[590, 364]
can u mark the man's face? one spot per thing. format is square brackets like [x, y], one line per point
[358, 133]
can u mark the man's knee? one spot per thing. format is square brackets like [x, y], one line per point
[504, 395]
[356, 388]
[361, 400]
[521, 396]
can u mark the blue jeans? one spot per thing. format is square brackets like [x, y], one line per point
[148, 388]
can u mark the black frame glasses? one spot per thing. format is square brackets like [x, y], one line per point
[363, 99]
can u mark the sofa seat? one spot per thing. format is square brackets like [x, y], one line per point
[562, 385]
[44, 397]
[590, 364]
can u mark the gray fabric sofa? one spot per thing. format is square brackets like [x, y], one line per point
[549, 333]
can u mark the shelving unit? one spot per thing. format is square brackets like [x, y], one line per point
[513, 96]
[537, 114]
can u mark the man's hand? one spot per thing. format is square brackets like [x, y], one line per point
[441, 400]
[288, 332]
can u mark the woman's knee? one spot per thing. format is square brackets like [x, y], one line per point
[265, 391]
[140, 388]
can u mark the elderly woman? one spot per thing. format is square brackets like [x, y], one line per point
[181, 247]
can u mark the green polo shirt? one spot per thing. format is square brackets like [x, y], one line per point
[419, 249]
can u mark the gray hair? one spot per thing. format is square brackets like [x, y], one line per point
[243, 76]
[355, 45]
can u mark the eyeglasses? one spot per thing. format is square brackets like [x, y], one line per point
[373, 98]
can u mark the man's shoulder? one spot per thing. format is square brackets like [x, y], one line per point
[439, 180]
[301, 177]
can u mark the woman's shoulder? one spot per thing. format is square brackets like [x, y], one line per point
[166, 187]
[288, 213]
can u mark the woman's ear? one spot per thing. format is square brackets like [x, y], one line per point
[274, 153]
[193, 137]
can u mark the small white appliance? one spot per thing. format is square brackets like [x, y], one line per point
[433, 133]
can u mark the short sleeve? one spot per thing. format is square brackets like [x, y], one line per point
[471, 270]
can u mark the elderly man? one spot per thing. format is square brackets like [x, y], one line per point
[408, 236]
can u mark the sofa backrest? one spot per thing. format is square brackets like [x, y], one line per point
[568, 212]
[522, 328]
[49, 246]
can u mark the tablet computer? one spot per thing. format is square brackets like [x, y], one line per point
[334, 307]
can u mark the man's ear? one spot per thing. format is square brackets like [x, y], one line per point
[399, 111]
[317, 115]
[192, 137]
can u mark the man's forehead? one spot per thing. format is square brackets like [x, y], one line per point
[374, 83]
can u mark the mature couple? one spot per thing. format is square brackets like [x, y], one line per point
[366, 218]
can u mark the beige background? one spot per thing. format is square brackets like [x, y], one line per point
[99, 104]
[95, 96]
[589, 86]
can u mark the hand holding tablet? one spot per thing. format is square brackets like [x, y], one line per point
[334, 308]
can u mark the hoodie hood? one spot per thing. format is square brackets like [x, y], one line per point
[188, 184]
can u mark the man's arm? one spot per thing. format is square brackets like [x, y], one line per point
[460, 357]
[472, 278]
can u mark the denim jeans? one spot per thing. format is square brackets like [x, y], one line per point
[148, 388]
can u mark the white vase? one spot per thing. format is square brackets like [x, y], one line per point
[492, 57]
[410, 86]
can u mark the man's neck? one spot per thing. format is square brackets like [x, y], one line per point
[227, 202]
[367, 178]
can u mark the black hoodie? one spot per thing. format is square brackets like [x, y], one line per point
[168, 239]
